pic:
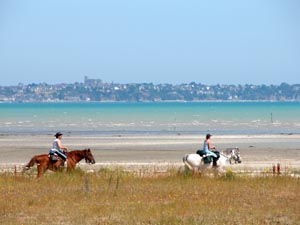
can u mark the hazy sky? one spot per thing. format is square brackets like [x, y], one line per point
[159, 41]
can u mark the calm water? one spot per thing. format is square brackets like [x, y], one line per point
[150, 118]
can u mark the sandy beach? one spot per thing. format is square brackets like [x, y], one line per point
[257, 151]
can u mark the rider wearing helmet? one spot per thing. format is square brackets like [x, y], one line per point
[58, 148]
[210, 150]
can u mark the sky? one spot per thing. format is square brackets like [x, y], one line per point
[159, 41]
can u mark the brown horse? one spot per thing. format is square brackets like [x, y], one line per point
[44, 162]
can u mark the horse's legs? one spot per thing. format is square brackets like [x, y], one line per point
[70, 166]
[41, 168]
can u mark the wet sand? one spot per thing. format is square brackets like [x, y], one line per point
[257, 151]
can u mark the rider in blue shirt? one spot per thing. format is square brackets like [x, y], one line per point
[210, 150]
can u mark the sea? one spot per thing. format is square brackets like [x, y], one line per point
[150, 118]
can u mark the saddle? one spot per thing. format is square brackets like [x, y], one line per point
[206, 158]
[53, 157]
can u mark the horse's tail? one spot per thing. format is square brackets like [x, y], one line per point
[31, 163]
[184, 159]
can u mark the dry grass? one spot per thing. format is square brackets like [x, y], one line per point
[116, 197]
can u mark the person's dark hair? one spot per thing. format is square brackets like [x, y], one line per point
[58, 134]
[208, 136]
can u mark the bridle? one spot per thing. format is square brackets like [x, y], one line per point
[87, 157]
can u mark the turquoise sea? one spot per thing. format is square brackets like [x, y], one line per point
[150, 118]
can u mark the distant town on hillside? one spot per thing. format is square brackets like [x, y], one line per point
[99, 91]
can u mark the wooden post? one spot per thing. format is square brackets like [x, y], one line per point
[278, 168]
[87, 185]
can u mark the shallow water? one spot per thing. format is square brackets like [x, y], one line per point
[150, 118]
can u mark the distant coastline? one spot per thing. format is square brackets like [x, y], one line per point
[95, 90]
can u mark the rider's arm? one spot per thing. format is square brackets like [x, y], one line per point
[61, 146]
[210, 146]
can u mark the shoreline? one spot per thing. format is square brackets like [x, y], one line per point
[152, 135]
[146, 133]
[258, 152]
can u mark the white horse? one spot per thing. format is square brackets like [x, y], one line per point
[196, 162]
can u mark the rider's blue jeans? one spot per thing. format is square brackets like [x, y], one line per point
[210, 153]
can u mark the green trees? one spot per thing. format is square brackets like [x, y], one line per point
[149, 92]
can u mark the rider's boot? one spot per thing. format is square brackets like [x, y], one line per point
[215, 164]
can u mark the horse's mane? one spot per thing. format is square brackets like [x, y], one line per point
[75, 151]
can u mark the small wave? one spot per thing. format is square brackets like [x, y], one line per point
[277, 124]
[255, 121]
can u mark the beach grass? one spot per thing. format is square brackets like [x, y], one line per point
[113, 196]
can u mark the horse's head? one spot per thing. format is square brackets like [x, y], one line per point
[88, 156]
[235, 155]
